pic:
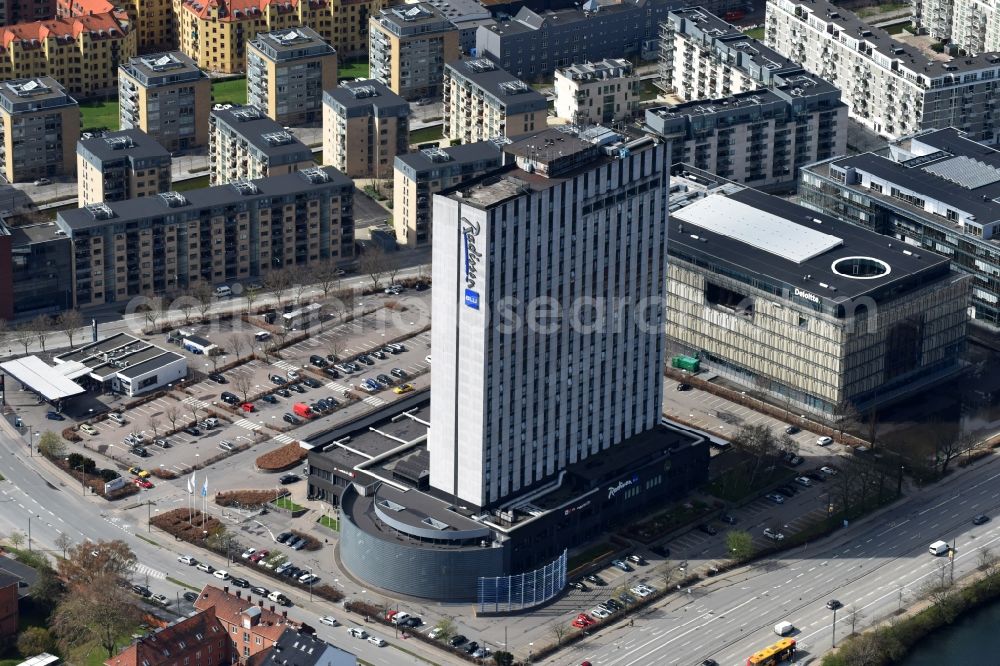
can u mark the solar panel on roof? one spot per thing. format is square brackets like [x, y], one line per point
[765, 231]
[965, 171]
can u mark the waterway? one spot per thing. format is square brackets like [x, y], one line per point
[973, 639]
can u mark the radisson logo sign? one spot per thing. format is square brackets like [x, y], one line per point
[622, 485]
[806, 295]
[470, 233]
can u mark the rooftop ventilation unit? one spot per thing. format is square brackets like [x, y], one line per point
[316, 175]
[245, 187]
[28, 88]
[162, 63]
[173, 199]
[100, 211]
[291, 37]
[361, 92]
[278, 138]
[513, 87]
[120, 142]
[390, 505]
[247, 113]
[481, 65]
[436, 154]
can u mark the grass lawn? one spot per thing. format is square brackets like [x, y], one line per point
[332, 523]
[285, 503]
[233, 91]
[896, 28]
[425, 134]
[886, 8]
[99, 114]
[734, 485]
[756, 33]
[191, 184]
[353, 70]
[648, 91]
[594, 552]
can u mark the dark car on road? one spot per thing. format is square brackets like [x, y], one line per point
[239, 582]
[55, 416]
[833, 604]
[288, 478]
[218, 378]
[980, 519]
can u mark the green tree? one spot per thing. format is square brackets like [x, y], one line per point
[35, 640]
[16, 539]
[447, 628]
[739, 544]
[101, 610]
[51, 445]
[503, 658]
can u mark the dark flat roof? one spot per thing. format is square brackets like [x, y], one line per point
[907, 265]
[357, 97]
[498, 83]
[159, 361]
[221, 195]
[467, 153]
[982, 201]
[264, 134]
[132, 143]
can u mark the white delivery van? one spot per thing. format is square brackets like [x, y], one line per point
[784, 628]
[279, 598]
[939, 548]
[223, 291]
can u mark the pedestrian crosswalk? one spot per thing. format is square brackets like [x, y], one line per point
[374, 401]
[195, 402]
[247, 424]
[285, 365]
[282, 438]
[334, 386]
[143, 570]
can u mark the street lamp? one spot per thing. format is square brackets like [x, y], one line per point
[834, 628]
[29, 530]
[310, 584]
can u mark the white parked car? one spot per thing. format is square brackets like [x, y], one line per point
[773, 535]
[435, 632]
[804, 481]
[375, 640]
[824, 441]
[600, 613]
[188, 560]
[207, 568]
[160, 599]
[328, 621]
[221, 573]
[829, 471]
[642, 591]
[248, 552]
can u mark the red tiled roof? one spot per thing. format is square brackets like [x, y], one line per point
[230, 607]
[64, 28]
[173, 643]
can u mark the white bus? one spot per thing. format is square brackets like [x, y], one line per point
[302, 318]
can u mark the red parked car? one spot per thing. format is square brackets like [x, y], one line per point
[247, 407]
[142, 483]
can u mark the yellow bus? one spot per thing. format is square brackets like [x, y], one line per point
[780, 651]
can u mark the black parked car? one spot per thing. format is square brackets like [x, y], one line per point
[288, 478]
[141, 590]
[297, 388]
[457, 640]
[283, 537]
[218, 378]
[291, 418]
[708, 529]
[194, 432]
[190, 596]
[239, 582]
[283, 393]
[310, 382]
[230, 398]
[279, 380]
[318, 361]
[331, 373]
[471, 647]
[270, 399]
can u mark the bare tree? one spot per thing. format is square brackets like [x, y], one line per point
[186, 302]
[392, 266]
[239, 345]
[759, 442]
[69, 322]
[244, 384]
[62, 542]
[102, 610]
[153, 309]
[328, 277]
[24, 335]
[276, 282]
[373, 264]
[202, 295]
[173, 413]
[855, 616]
[949, 444]
[43, 328]
[299, 278]
[559, 631]
[195, 409]
[154, 425]
[250, 296]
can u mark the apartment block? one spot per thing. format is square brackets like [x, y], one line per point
[24, 11]
[704, 57]
[253, 625]
[365, 125]
[39, 128]
[150, 20]
[214, 34]
[817, 313]
[287, 72]
[970, 25]
[598, 92]
[128, 164]
[761, 137]
[81, 52]
[421, 174]
[166, 96]
[244, 144]
[483, 102]
[211, 236]
[535, 42]
[196, 640]
[936, 193]
[408, 48]
[891, 87]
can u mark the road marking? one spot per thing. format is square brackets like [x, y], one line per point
[282, 438]
[374, 401]
[247, 424]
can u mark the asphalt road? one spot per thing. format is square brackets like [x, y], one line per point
[34, 489]
[874, 568]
